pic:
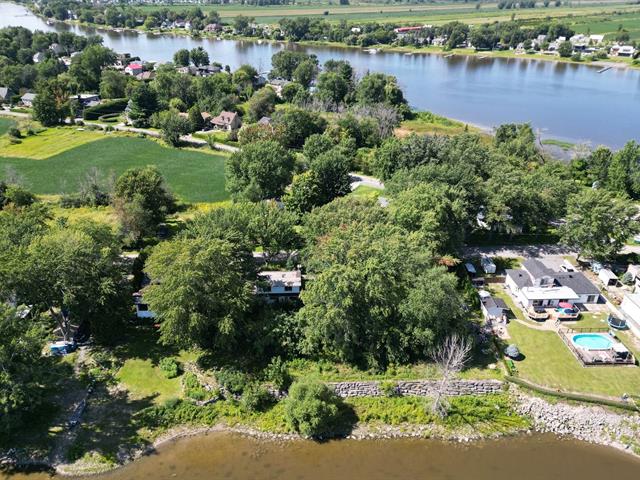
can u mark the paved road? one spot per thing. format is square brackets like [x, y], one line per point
[358, 180]
[513, 251]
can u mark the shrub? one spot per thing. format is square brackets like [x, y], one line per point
[256, 398]
[278, 374]
[627, 278]
[114, 106]
[389, 389]
[192, 388]
[15, 132]
[232, 380]
[169, 367]
[312, 408]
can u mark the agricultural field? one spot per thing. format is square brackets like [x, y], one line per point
[192, 175]
[432, 13]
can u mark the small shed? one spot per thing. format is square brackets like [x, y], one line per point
[492, 308]
[487, 265]
[607, 277]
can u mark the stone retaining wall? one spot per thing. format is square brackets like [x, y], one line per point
[420, 388]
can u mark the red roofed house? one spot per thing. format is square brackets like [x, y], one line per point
[133, 69]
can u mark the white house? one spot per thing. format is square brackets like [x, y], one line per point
[280, 285]
[133, 69]
[27, 99]
[622, 51]
[630, 308]
[536, 285]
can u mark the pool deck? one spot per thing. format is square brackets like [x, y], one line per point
[591, 358]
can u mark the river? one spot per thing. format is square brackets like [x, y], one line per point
[566, 101]
[232, 457]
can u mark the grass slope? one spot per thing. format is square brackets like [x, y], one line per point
[5, 125]
[48, 143]
[193, 176]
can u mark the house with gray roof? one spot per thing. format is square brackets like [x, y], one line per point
[27, 99]
[536, 285]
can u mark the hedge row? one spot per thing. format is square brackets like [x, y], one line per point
[112, 106]
[571, 396]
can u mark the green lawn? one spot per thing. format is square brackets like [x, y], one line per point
[48, 143]
[367, 191]
[193, 176]
[427, 122]
[549, 362]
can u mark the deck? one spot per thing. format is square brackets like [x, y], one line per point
[591, 358]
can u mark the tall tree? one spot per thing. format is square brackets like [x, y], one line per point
[260, 170]
[598, 224]
[199, 293]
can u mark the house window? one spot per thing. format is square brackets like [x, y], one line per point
[288, 288]
[537, 303]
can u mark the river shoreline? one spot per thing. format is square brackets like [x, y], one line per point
[591, 424]
[383, 48]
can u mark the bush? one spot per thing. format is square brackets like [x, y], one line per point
[512, 351]
[232, 380]
[113, 106]
[15, 132]
[389, 389]
[170, 367]
[627, 278]
[192, 388]
[312, 409]
[256, 398]
[278, 374]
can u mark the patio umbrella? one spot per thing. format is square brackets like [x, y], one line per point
[565, 305]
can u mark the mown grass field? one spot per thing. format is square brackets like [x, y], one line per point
[549, 362]
[48, 142]
[192, 175]
[437, 12]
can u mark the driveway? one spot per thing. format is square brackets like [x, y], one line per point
[514, 251]
[358, 180]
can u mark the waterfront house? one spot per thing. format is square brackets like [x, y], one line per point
[279, 285]
[278, 84]
[536, 285]
[27, 99]
[133, 69]
[622, 51]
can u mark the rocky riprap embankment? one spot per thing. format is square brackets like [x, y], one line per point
[589, 423]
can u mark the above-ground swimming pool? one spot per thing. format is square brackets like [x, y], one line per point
[592, 341]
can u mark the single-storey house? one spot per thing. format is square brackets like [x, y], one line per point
[133, 69]
[492, 307]
[630, 308]
[536, 285]
[280, 285]
[27, 99]
[229, 121]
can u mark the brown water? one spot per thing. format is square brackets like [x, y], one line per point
[232, 457]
